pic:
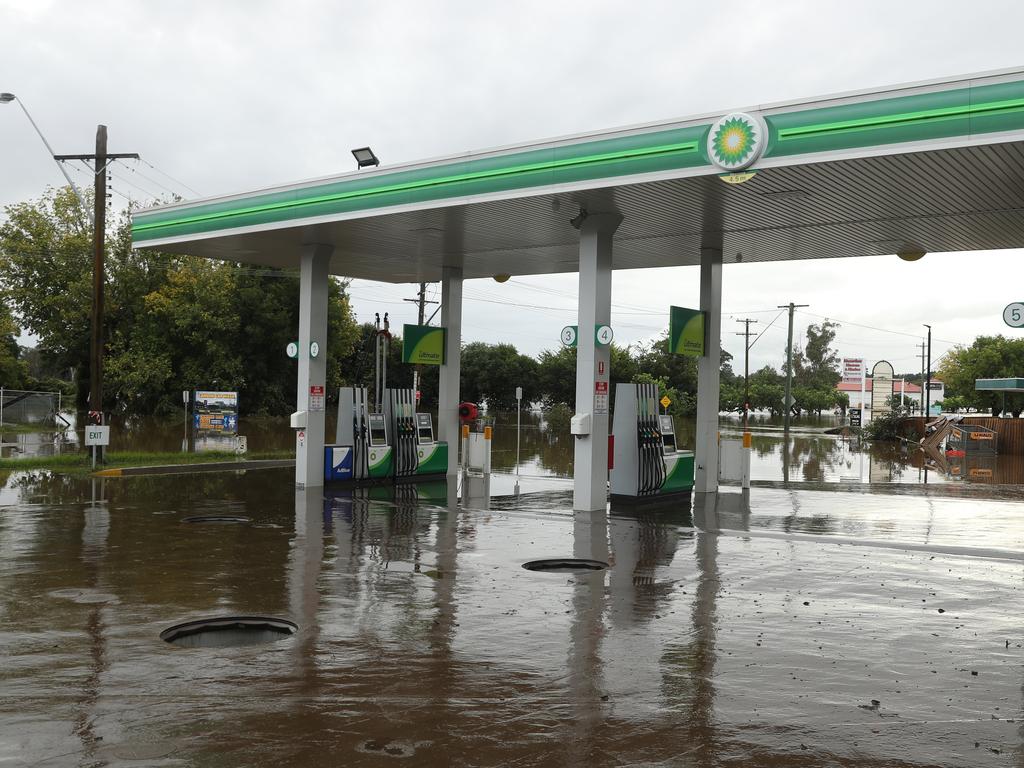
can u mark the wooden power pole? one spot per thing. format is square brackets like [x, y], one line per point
[746, 367]
[100, 160]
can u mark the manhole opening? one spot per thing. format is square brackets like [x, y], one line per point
[565, 565]
[229, 632]
[217, 519]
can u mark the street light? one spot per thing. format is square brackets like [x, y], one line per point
[6, 98]
[364, 157]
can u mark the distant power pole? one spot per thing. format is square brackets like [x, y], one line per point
[920, 403]
[746, 367]
[788, 402]
[928, 377]
[100, 160]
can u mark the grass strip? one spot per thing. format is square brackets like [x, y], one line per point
[74, 463]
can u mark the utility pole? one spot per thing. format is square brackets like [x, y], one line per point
[787, 404]
[746, 368]
[928, 375]
[100, 161]
[421, 299]
[920, 402]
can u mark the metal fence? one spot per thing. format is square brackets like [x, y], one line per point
[19, 406]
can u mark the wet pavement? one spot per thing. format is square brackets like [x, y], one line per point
[781, 627]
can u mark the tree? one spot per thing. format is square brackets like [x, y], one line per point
[556, 373]
[491, 373]
[46, 275]
[988, 357]
[767, 389]
[171, 322]
[13, 370]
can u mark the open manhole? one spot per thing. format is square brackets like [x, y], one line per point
[565, 565]
[217, 519]
[229, 632]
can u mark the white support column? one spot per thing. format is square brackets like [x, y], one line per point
[309, 441]
[706, 449]
[448, 389]
[590, 467]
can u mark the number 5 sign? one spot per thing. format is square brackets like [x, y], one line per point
[1013, 315]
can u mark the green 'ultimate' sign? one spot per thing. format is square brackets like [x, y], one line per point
[686, 331]
[423, 344]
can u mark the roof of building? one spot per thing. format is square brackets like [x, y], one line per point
[907, 387]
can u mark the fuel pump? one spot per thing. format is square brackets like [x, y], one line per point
[362, 451]
[400, 410]
[646, 459]
[417, 454]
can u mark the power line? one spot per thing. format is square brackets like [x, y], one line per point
[176, 181]
[880, 330]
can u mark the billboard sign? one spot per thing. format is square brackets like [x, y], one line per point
[423, 344]
[881, 388]
[853, 368]
[215, 412]
[686, 331]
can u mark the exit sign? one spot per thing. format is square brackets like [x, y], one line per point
[97, 436]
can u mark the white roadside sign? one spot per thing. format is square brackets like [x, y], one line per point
[97, 436]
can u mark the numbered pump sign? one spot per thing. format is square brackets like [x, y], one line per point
[1013, 315]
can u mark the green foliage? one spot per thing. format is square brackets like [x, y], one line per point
[13, 370]
[989, 357]
[816, 372]
[767, 390]
[558, 417]
[556, 373]
[491, 373]
[46, 274]
[954, 403]
[889, 427]
[171, 322]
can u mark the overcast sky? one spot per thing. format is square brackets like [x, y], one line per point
[230, 96]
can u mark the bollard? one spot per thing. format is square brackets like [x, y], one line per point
[748, 443]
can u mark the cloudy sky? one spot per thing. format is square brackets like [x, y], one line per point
[228, 96]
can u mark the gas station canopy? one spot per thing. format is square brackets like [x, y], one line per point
[934, 166]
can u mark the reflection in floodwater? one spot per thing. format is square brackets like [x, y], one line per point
[808, 456]
[770, 627]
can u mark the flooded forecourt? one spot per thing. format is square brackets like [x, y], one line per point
[794, 624]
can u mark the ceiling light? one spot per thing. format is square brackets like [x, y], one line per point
[911, 254]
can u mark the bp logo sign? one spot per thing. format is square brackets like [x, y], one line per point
[736, 141]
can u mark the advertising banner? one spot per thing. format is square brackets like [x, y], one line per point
[215, 412]
[853, 368]
[423, 344]
[686, 331]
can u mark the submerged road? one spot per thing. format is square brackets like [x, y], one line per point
[779, 628]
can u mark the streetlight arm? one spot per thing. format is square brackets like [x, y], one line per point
[63, 170]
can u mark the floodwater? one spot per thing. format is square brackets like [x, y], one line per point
[809, 456]
[778, 627]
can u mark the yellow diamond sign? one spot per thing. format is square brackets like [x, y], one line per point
[665, 402]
